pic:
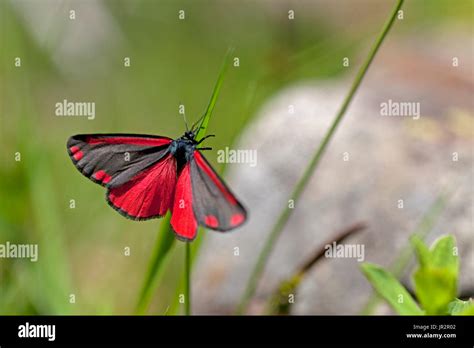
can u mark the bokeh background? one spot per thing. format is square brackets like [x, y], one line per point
[283, 62]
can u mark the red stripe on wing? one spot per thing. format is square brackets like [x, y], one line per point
[120, 156]
[182, 220]
[147, 195]
[202, 163]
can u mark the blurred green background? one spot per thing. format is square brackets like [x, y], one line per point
[173, 61]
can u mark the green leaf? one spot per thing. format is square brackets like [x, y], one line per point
[391, 290]
[469, 310]
[459, 307]
[437, 276]
[215, 94]
[435, 288]
[444, 253]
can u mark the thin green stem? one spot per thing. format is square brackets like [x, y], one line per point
[301, 185]
[163, 245]
[201, 131]
[199, 135]
[187, 280]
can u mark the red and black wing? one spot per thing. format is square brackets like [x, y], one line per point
[149, 194]
[113, 159]
[214, 205]
[138, 171]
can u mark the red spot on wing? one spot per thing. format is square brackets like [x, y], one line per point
[215, 179]
[183, 220]
[78, 155]
[237, 219]
[211, 221]
[148, 194]
[140, 141]
[101, 175]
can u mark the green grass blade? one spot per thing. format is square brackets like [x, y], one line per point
[391, 290]
[187, 280]
[215, 94]
[176, 307]
[164, 243]
[52, 274]
[435, 288]
[421, 250]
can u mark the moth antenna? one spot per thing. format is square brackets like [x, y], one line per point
[197, 122]
[185, 123]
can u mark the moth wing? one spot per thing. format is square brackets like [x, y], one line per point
[113, 159]
[147, 195]
[214, 204]
[183, 220]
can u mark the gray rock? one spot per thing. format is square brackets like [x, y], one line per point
[390, 158]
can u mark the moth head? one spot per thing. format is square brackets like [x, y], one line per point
[189, 135]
